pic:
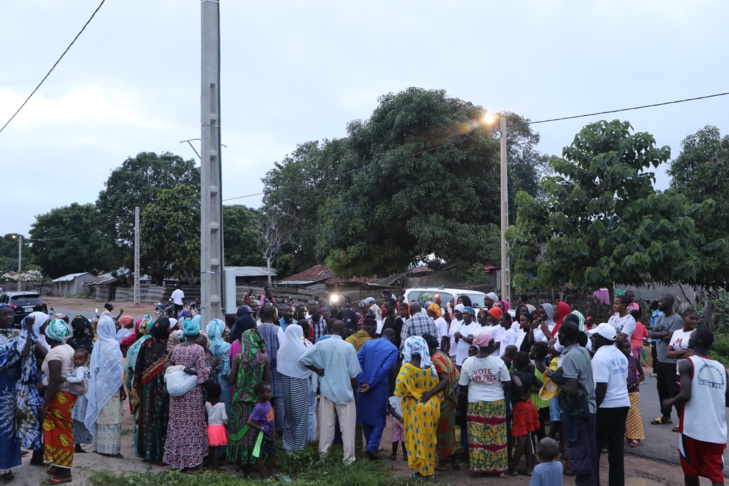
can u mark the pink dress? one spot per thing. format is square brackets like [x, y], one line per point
[187, 438]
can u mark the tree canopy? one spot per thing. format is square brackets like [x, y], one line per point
[67, 240]
[417, 181]
[601, 222]
[138, 182]
[9, 253]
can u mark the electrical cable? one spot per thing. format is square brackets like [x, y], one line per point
[54, 66]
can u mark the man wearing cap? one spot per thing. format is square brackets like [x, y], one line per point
[610, 371]
[417, 325]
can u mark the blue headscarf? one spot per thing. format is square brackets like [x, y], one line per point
[470, 310]
[219, 347]
[144, 332]
[58, 330]
[191, 327]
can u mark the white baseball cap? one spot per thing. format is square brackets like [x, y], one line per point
[605, 330]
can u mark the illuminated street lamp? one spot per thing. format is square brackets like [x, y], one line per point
[489, 118]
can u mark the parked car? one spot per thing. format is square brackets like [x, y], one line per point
[23, 303]
[445, 295]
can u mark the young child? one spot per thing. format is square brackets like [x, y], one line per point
[549, 470]
[217, 420]
[525, 417]
[633, 423]
[394, 406]
[76, 382]
[538, 353]
[555, 413]
[261, 421]
[509, 355]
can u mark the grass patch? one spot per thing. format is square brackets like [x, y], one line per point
[304, 469]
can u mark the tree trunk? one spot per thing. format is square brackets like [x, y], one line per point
[268, 268]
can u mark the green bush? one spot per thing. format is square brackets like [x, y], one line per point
[720, 349]
[303, 469]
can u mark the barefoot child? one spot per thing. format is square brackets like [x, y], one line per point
[633, 423]
[217, 420]
[261, 421]
[394, 406]
[525, 419]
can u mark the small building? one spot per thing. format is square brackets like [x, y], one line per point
[71, 284]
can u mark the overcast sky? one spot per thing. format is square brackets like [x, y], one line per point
[299, 71]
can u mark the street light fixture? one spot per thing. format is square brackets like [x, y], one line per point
[489, 118]
[19, 237]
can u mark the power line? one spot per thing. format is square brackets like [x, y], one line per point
[54, 66]
[641, 107]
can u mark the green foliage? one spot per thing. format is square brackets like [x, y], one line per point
[600, 220]
[417, 181]
[9, 253]
[170, 234]
[305, 469]
[241, 235]
[138, 182]
[720, 349]
[701, 174]
[66, 240]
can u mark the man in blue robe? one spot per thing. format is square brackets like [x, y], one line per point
[376, 358]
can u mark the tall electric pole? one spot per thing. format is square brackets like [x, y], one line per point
[136, 257]
[211, 204]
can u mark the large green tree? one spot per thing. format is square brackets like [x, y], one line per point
[241, 236]
[601, 222]
[701, 173]
[170, 234]
[138, 182]
[68, 240]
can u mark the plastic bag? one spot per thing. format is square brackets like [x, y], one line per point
[178, 382]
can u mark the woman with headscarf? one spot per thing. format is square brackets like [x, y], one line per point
[19, 400]
[126, 323]
[563, 308]
[186, 444]
[249, 367]
[487, 379]
[177, 337]
[82, 338]
[420, 417]
[83, 334]
[543, 326]
[41, 348]
[220, 351]
[58, 445]
[106, 391]
[154, 401]
[448, 376]
[295, 379]
[245, 322]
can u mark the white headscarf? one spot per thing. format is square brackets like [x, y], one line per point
[107, 371]
[40, 319]
[291, 349]
[416, 345]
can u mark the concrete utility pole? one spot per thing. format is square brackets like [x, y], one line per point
[211, 203]
[505, 265]
[20, 262]
[136, 256]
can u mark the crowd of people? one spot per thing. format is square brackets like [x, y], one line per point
[534, 390]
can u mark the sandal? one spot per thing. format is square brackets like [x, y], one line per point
[51, 481]
[675, 428]
[635, 443]
[661, 421]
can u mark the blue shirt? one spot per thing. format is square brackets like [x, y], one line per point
[282, 322]
[339, 362]
[547, 474]
[376, 358]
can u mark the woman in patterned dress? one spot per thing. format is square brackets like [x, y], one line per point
[186, 444]
[417, 377]
[248, 368]
[154, 401]
[19, 399]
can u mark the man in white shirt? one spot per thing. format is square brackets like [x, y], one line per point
[178, 298]
[453, 329]
[464, 336]
[622, 321]
[610, 372]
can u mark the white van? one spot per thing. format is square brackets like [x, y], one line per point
[415, 294]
